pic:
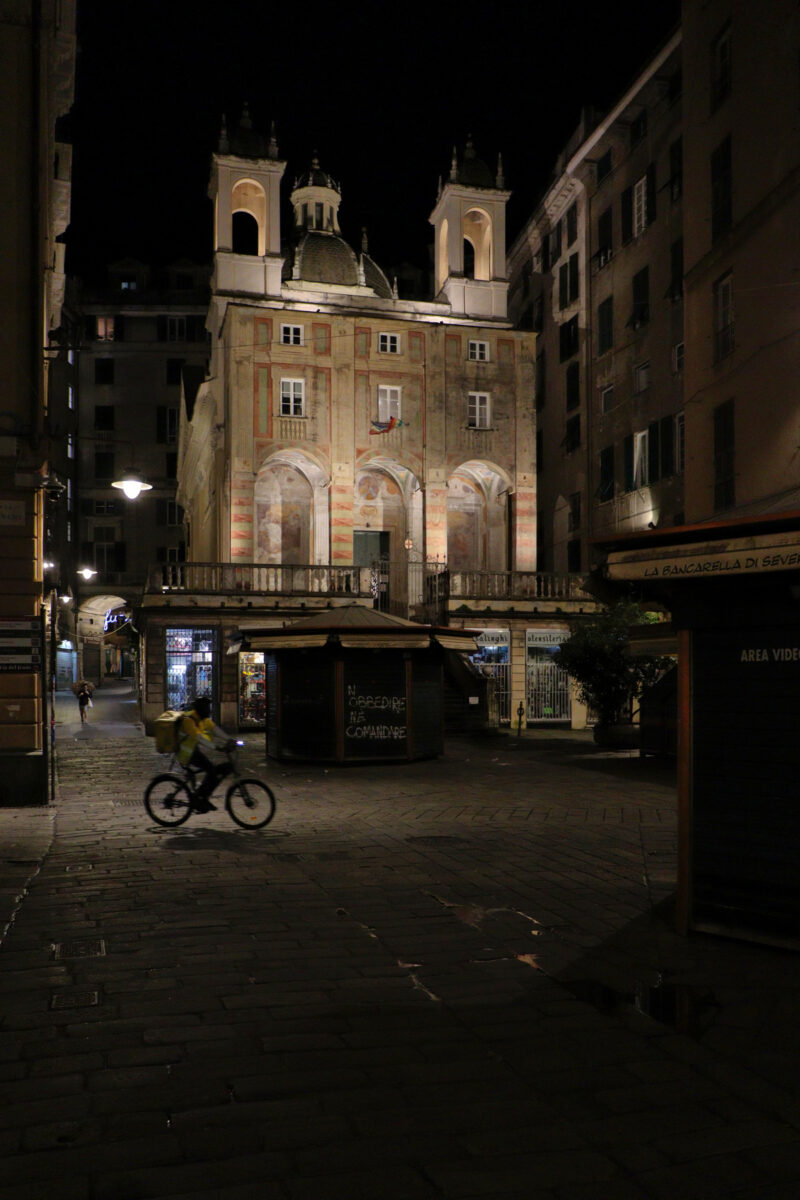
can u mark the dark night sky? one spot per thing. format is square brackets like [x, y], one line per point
[382, 91]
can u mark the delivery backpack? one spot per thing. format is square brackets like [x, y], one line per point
[167, 731]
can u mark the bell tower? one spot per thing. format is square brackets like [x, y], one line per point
[245, 191]
[470, 238]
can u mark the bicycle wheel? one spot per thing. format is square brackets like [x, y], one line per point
[168, 800]
[250, 803]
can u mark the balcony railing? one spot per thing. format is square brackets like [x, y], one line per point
[516, 585]
[275, 579]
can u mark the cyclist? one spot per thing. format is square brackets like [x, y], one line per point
[198, 730]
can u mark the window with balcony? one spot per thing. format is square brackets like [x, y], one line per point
[479, 410]
[605, 238]
[293, 398]
[389, 403]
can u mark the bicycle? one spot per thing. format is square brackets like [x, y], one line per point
[170, 798]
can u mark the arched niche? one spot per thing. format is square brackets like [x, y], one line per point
[477, 518]
[249, 206]
[290, 511]
[477, 230]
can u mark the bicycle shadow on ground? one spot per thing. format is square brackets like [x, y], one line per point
[237, 841]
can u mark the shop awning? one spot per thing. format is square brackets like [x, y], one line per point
[463, 642]
[305, 641]
[379, 641]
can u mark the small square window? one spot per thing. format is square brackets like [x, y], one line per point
[641, 377]
[478, 410]
[293, 398]
[292, 335]
[479, 351]
[389, 343]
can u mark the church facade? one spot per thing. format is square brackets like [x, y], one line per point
[348, 443]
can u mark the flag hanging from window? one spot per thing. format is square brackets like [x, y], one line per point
[386, 426]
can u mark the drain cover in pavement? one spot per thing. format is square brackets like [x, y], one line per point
[438, 839]
[80, 948]
[74, 999]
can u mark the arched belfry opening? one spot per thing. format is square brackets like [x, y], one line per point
[477, 229]
[248, 217]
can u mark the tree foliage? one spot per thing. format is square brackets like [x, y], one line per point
[595, 656]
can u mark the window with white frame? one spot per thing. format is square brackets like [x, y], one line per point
[479, 410]
[640, 206]
[641, 377]
[292, 335]
[723, 317]
[293, 398]
[389, 402]
[641, 445]
[677, 358]
[389, 343]
[176, 329]
[478, 351]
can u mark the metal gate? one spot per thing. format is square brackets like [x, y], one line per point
[498, 671]
[548, 690]
[190, 663]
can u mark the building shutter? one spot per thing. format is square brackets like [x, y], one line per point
[627, 215]
[651, 193]
[627, 462]
[667, 446]
[653, 457]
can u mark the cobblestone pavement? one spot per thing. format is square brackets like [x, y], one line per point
[453, 979]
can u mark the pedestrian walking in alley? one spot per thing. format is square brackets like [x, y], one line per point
[84, 693]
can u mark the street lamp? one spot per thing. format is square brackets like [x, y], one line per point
[132, 484]
[87, 573]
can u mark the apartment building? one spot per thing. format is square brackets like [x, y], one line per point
[138, 334]
[742, 238]
[598, 271]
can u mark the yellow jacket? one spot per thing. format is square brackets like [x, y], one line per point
[193, 728]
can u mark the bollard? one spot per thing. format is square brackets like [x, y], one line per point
[520, 715]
